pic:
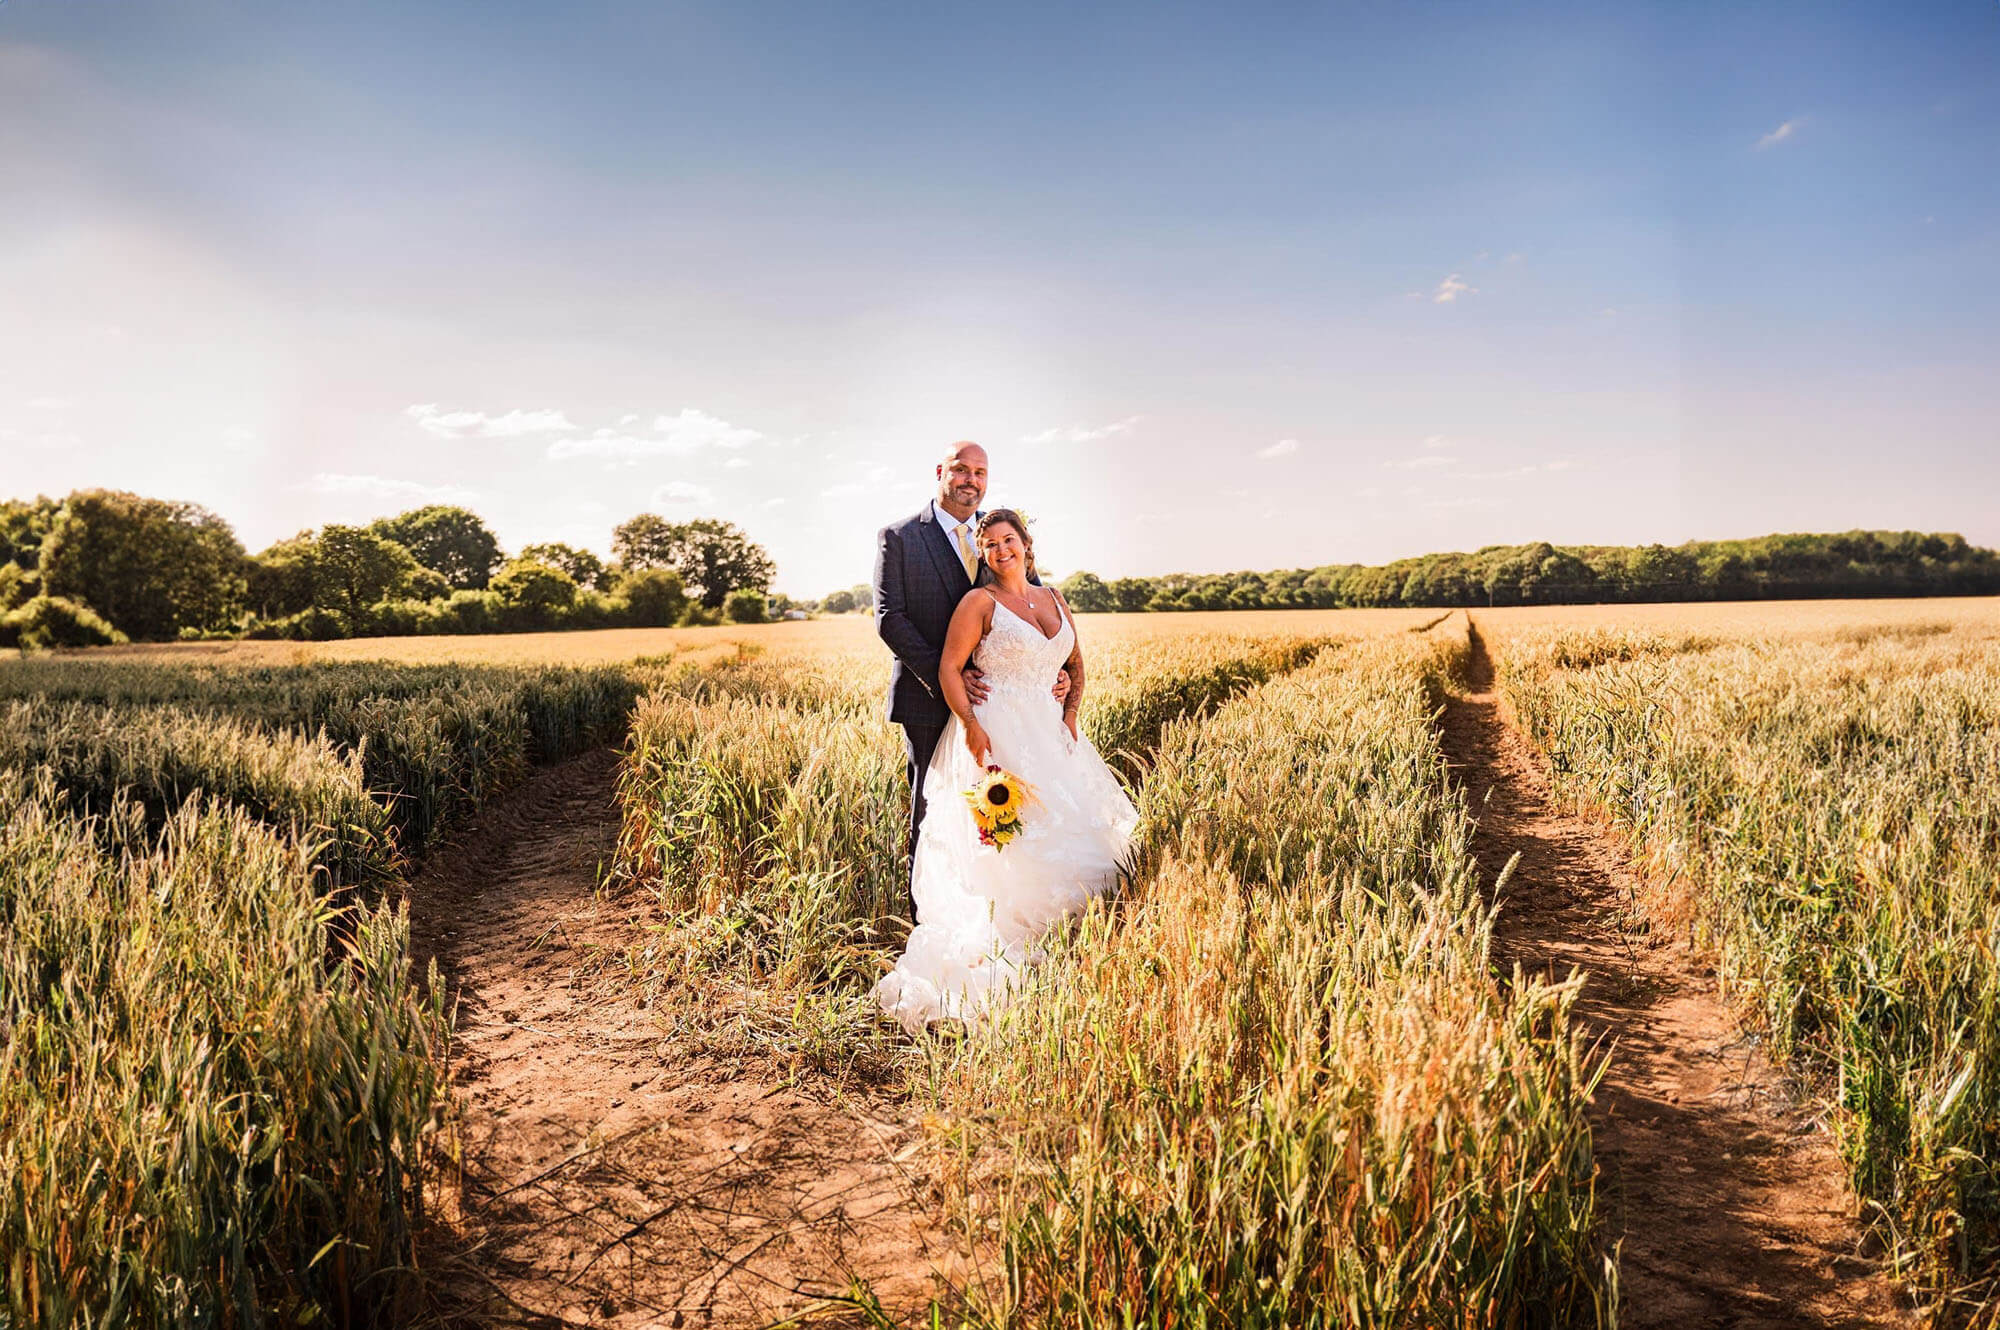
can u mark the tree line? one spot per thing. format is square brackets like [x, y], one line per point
[1851, 564]
[105, 566]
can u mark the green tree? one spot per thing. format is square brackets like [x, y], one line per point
[24, 525]
[150, 566]
[1087, 594]
[354, 567]
[713, 557]
[584, 568]
[840, 602]
[281, 578]
[535, 594]
[450, 541]
[653, 597]
[1132, 594]
[647, 541]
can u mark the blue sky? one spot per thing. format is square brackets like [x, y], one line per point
[1220, 287]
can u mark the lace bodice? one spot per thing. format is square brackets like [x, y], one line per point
[1014, 653]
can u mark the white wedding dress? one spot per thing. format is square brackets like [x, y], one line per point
[980, 909]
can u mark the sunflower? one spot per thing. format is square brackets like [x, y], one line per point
[997, 799]
[1002, 795]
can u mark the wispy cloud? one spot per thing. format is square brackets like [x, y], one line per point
[1435, 441]
[680, 435]
[1282, 448]
[1451, 288]
[1428, 462]
[480, 425]
[693, 429]
[1082, 433]
[384, 487]
[681, 494]
[50, 403]
[1781, 133]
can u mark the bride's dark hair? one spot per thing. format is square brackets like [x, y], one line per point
[1013, 519]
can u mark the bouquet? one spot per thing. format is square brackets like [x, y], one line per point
[997, 800]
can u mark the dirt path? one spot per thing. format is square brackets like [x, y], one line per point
[1725, 1194]
[610, 1179]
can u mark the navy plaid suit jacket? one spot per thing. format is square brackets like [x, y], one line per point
[918, 584]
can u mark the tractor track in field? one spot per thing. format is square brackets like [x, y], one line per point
[611, 1176]
[1723, 1193]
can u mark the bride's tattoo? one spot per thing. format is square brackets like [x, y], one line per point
[1075, 667]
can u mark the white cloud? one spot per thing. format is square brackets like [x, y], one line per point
[1451, 288]
[1282, 448]
[680, 494]
[1082, 433]
[1429, 462]
[479, 425]
[383, 487]
[607, 443]
[1781, 133]
[845, 490]
[50, 403]
[692, 429]
[737, 462]
[674, 436]
[236, 438]
[1435, 441]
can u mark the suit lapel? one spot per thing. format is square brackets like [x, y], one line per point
[949, 565]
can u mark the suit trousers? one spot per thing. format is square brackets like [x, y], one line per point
[919, 742]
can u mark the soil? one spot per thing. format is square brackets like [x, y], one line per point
[1721, 1189]
[610, 1176]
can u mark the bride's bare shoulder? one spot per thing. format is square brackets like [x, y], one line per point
[977, 604]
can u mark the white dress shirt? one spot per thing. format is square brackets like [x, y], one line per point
[951, 527]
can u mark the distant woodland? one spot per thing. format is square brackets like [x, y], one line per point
[1850, 564]
[105, 566]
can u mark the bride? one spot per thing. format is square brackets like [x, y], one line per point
[980, 909]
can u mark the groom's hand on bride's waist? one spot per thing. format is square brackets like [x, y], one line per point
[1061, 690]
[975, 685]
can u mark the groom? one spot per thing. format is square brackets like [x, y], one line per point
[924, 565]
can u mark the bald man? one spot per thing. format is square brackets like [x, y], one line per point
[924, 565]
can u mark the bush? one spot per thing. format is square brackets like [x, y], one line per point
[594, 609]
[746, 607]
[408, 618]
[470, 612]
[53, 621]
[533, 595]
[697, 616]
[313, 625]
[653, 597]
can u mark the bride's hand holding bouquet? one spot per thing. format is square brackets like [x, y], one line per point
[977, 743]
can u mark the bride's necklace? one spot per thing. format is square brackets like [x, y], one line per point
[1033, 615]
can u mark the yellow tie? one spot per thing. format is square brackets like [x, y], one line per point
[965, 554]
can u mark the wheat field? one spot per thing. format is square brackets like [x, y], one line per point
[1279, 1080]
